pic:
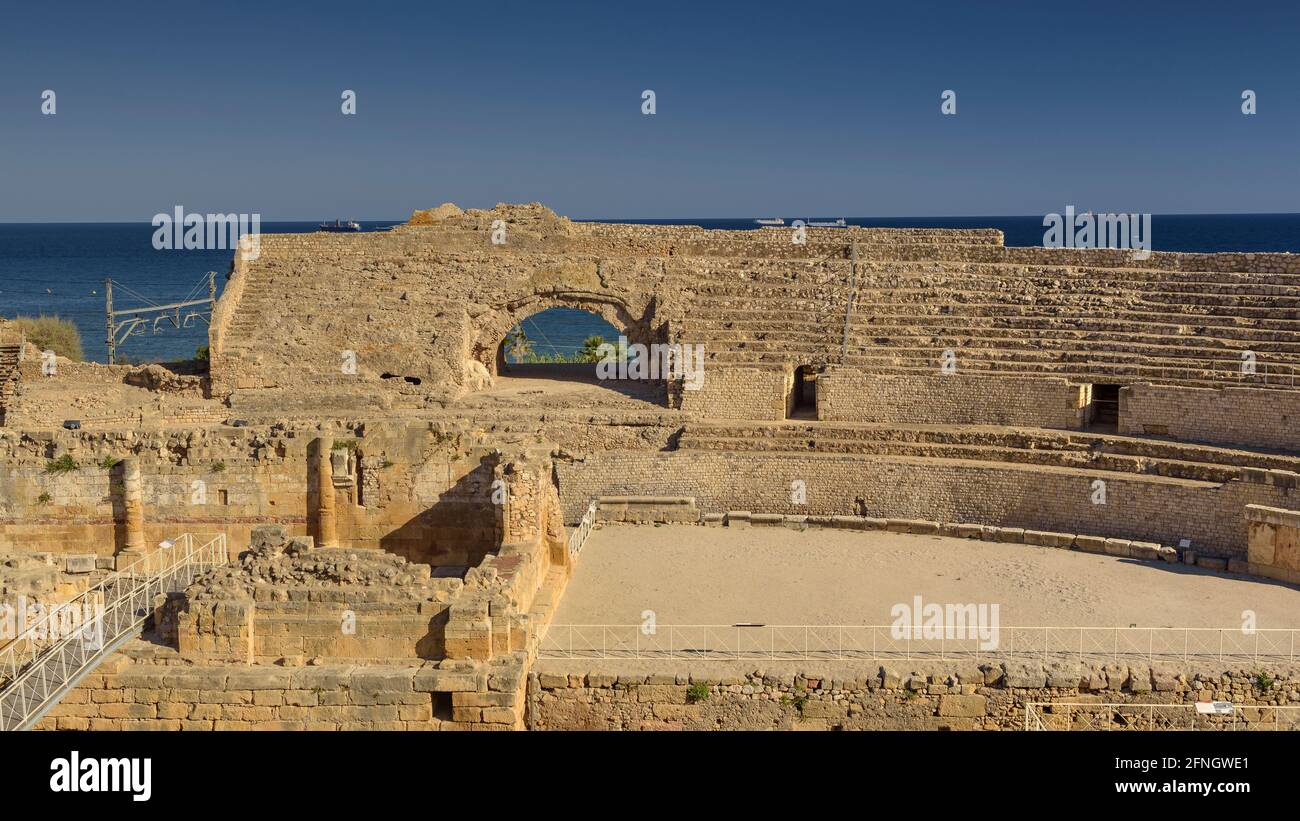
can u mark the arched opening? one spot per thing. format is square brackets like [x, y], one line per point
[560, 336]
[569, 355]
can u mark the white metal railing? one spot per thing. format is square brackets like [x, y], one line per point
[879, 643]
[1067, 715]
[580, 533]
[47, 659]
[1265, 374]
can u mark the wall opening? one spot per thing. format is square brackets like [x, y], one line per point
[558, 352]
[1105, 406]
[803, 394]
[555, 336]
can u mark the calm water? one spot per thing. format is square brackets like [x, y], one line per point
[59, 269]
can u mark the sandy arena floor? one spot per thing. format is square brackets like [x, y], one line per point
[696, 575]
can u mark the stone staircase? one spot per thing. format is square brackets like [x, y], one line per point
[10, 355]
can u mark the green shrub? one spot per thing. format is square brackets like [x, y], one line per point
[110, 462]
[344, 444]
[63, 464]
[202, 353]
[44, 498]
[218, 467]
[697, 692]
[50, 333]
[1264, 681]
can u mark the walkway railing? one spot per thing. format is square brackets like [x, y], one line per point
[1063, 715]
[880, 643]
[49, 656]
[579, 536]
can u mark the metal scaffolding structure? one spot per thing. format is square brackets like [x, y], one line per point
[133, 321]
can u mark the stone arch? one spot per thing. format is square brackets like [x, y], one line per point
[490, 328]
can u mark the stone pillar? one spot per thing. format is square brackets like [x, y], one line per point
[326, 523]
[132, 513]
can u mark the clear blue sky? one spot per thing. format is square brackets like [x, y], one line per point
[780, 108]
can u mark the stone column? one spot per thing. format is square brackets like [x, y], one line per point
[326, 524]
[132, 513]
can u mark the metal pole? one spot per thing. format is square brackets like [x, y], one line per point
[108, 308]
[853, 287]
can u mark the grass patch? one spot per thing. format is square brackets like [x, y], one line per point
[696, 693]
[799, 702]
[64, 464]
[344, 444]
[218, 467]
[110, 462]
[52, 333]
[1264, 681]
[44, 498]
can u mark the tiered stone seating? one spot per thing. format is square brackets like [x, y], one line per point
[1085, 324]
[1068, 449]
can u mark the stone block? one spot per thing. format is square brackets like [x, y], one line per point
[1023, 674]
[968, 706]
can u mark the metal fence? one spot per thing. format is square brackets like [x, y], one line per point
[1061, 715]
[882, 643]
[580, 533]
[50, 655]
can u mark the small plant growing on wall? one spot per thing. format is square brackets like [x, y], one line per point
[696, 693]
[799, 702]
[218, 467]
[1264, 681]
[63, 464]
[44, 498]
[110, 462]
[344, 444]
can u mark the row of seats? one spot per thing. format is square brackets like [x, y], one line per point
[1091, 451]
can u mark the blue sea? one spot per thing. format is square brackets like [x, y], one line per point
[60, 269]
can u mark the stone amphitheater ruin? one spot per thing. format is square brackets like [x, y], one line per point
[403, 512]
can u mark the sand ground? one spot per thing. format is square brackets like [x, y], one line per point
[697, 575]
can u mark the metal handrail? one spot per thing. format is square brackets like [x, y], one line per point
[733, 642]
[43, 663]
[583, 530]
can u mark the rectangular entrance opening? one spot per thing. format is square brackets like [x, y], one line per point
[1105, 405]
[803, 401]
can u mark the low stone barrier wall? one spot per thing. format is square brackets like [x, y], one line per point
[160, 696]
[851, 395]
[628, 695]
[1273, 549]
[1140, 507]
[1127, 548]
[740, 393]
[1253, 417]
[646, 509]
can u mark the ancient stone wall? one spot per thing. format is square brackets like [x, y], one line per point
[421, 310]
[1273, 536]
[1140, 507]
[1251, 417]
[168, 696]
[850, 395]
[739, 393]
[416, 490]
[596, 695]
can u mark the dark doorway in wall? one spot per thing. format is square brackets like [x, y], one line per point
[1105, 406]
[803, 399]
